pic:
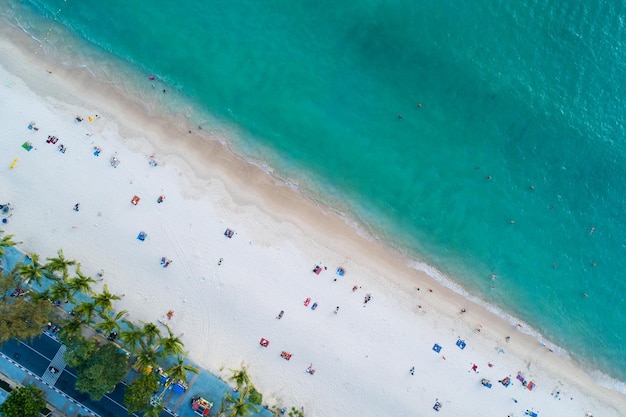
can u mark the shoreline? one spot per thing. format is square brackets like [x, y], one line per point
[245, 186]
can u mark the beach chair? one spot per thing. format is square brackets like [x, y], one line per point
[229, 233]
[461, 344]
[314, 306]
[307, 301]
[285, 355]
[437, 348]
[341, 271]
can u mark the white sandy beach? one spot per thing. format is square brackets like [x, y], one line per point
[362, 355]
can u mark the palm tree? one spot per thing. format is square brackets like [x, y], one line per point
[105, 299]
[146, 357]
[110, 323]
[240, 376]
[240, 406]
[59, 264]
[132, 337]
[6, 242]
[151, 333]
[81, 283]
[60, 291]
[32, 271]
[70, 329]
[85, 312]
[171, 345]
[154, 411]
[177, 372]
[42, 295]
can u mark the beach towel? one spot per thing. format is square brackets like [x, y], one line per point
[27, 145]
[437, 348]
[461, 344]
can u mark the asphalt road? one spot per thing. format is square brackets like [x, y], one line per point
[37, 355]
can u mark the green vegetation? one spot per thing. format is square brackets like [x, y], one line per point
[255, 396]
[5, 242]
[140, 391]
[294, 412]
[22, 317]
[102, 371]
[25, 401]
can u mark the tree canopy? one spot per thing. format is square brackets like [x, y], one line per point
[22, 318]
[27, 401]
[139, 392]
[102, 371]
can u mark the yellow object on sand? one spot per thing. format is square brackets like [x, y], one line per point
[13, 164]
[90, 119]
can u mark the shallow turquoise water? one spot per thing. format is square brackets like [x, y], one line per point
[528, 94]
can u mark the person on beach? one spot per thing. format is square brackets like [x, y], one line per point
[337, 310]
[412, 370]
[280, 315]
[163, 260]
[76, 206]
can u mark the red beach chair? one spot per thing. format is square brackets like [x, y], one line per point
[285, 355]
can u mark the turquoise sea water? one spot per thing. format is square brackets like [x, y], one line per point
[527, 94]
